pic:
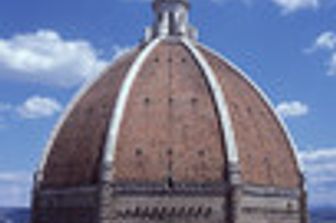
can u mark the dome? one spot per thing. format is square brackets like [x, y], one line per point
[170, 132]
[169, 124]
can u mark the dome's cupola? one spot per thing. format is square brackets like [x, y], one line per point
[171, 20]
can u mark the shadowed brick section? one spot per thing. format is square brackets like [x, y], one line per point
[265, 154]
[66, 206]
[170, 128]
[75, 156]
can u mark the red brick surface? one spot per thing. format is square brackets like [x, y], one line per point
[170, 126]
[75, 157]
[265, 154]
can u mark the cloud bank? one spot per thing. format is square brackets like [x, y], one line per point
[15, 189]
[295, 5]
[320, 166]
[45, 57]
[34, 107]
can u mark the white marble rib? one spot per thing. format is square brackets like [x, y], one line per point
[118, 114]
[63, 118]
[266, 99]
[221, 104]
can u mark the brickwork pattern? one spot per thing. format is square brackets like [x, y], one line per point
[75, 156]
[170, 127]
[265, 154]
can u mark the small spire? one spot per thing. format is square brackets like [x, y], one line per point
[171, 19]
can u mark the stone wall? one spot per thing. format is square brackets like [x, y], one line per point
[181, 204]
[268, 205]
[77, 205]
[161, 206]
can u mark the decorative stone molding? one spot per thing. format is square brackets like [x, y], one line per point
[269, 191]
[150, 190]
[163, 208]
[164, 212]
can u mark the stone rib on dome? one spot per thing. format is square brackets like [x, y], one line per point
[170, 113]
[74, 156]
[266, 155]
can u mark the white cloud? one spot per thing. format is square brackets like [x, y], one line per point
[15, 195]
[287, 6]
[45, 57]
[15, 177]
[292, 109]
[294, 5]
[317, 155]
[320, 165]
[15, 189]
[39, 107]
[326, 40]
[34, 107]
[332, 65]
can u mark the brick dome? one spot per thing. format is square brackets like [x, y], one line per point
[170, 124]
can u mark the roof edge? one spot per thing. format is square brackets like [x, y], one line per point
[39, 175]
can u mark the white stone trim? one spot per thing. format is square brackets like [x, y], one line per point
[268, 102]
[83, 90]
[118, 114]
[270, 191]
[222, 106]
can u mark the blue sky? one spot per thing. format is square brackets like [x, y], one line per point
[48, 49]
